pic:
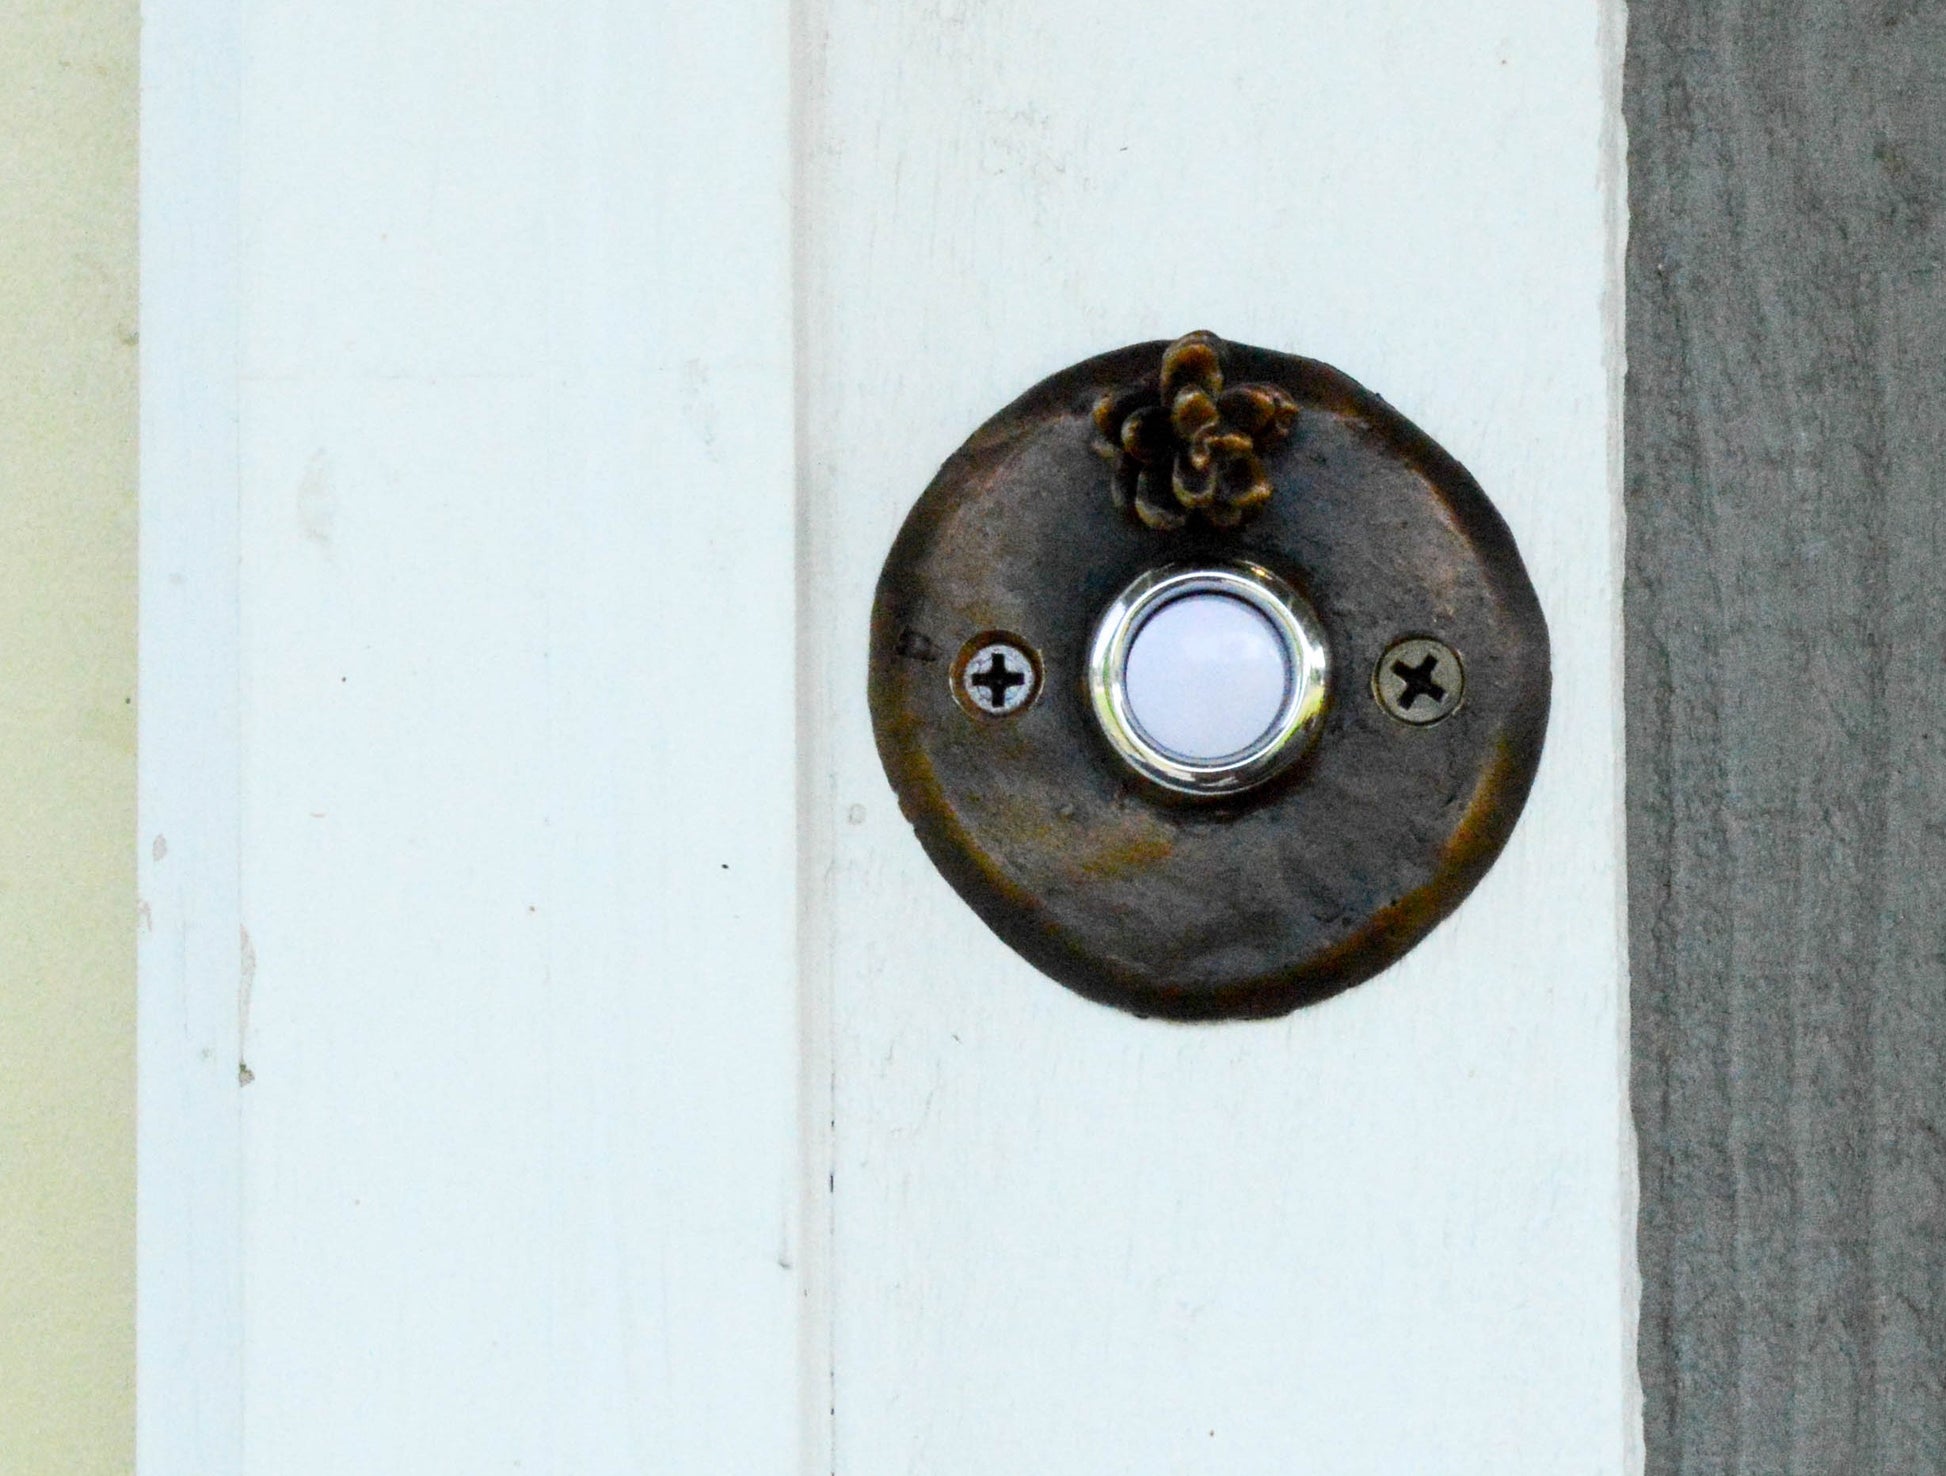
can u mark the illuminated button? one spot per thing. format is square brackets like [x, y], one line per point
[1209, 679]
[1207, 676]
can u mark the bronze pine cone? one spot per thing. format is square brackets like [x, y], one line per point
[1183, 444]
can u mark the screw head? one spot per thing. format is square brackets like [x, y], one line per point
[1419, 681]
[997, 675]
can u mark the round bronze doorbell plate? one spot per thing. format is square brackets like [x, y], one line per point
[1008, 707]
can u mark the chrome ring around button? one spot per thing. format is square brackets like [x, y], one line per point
[1283, 740]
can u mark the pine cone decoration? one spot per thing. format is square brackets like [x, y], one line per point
[1188, 445]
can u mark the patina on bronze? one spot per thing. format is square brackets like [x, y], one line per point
[1188, 907]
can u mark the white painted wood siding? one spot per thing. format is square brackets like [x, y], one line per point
[605, 1082]
[1392, 1233]
[188, 1326]
[516, 1021]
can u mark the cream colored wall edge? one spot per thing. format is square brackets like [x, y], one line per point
[67, 735]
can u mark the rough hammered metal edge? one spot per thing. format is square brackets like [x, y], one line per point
[1490, 810]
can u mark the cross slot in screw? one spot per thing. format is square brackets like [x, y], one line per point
[1419, 681]
[996, 676]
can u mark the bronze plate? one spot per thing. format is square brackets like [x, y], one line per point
[1184, 907]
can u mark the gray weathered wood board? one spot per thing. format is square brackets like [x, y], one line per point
[1786, 700]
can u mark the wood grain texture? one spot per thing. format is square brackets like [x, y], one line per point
[1786, 729]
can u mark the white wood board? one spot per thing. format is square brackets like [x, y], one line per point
[557, 1054]
[512, 1059]
[189, 1355]
[1393, 1232]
